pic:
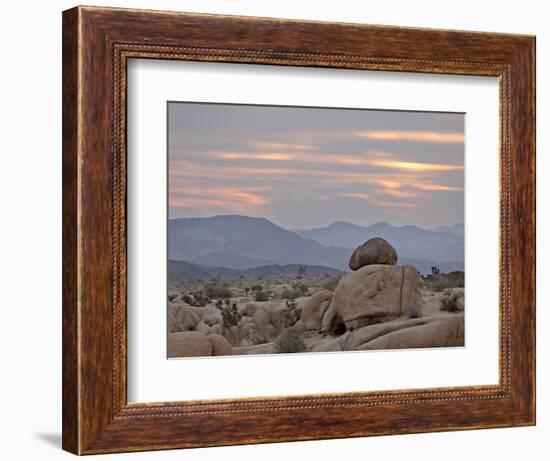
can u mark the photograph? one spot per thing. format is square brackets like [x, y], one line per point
[313, 229]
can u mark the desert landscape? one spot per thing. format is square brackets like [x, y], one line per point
[311, 229]
[377, 304]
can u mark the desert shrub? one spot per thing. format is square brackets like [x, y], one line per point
[456, 279]
[414, 311]
[331, 283]
[187, 299]
[438, 285]
[291, 313]
[449, 301]
[290, 341]
[301, 288]
[216, 291]
[172, 297]
[298, 289]
[289, 294]
[230, 313]
[439, 282]
[198, 299]
[256, 288]
[261, 296]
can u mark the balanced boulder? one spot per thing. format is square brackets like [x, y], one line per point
[373, 251]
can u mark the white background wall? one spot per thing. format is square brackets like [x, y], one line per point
[30, 229]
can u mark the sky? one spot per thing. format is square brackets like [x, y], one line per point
[305, 167]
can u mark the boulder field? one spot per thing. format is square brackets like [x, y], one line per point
[370, 308]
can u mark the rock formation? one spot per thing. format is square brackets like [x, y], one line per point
[181, 318]
[220, 345]
[435, 331]
[373, 294]
[189, 344]
[373, 251]
[197, 344]
[313, 311]
[377, 306]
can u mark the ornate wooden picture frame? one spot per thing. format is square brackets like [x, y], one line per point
[97, 44]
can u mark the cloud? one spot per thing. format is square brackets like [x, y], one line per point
[437, 137]
[275, 156]
[245, 199]
[265, 145]
[413, 166]
[436, 187]
[376, 201]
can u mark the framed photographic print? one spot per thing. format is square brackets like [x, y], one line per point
[314, 230]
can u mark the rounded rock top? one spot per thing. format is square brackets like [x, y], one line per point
[374, 251]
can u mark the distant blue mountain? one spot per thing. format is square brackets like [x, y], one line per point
[242, 242]
[409, 241]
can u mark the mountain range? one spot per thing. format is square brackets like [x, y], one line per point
[439, 244]
[242, 242]
[184, 271]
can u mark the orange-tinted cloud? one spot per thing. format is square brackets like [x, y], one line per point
[264, 145]
[436, 187]
[437, 137]
[376, 201]
[230, 198]
[275, 156]
[413, 166]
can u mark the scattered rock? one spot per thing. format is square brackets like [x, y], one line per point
[245, 320]
[217, 329]
[220, 345]
[249, 334]
[253, 349]
[189, 344]
[313, 311]
[329, 344]
[250, 309]
[270, 332]
[181, 318]
[261, 318]
[202, 328]
[212, 319]
[233, 334]
[373, 251]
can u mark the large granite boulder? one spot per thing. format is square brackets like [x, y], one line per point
[181, 318]
[220, 345]
[261, 318]
[447, 331]
[440, 330]
[373, 251]
[212, 319]
[373, 294]
[313, 311]
[189, 344]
